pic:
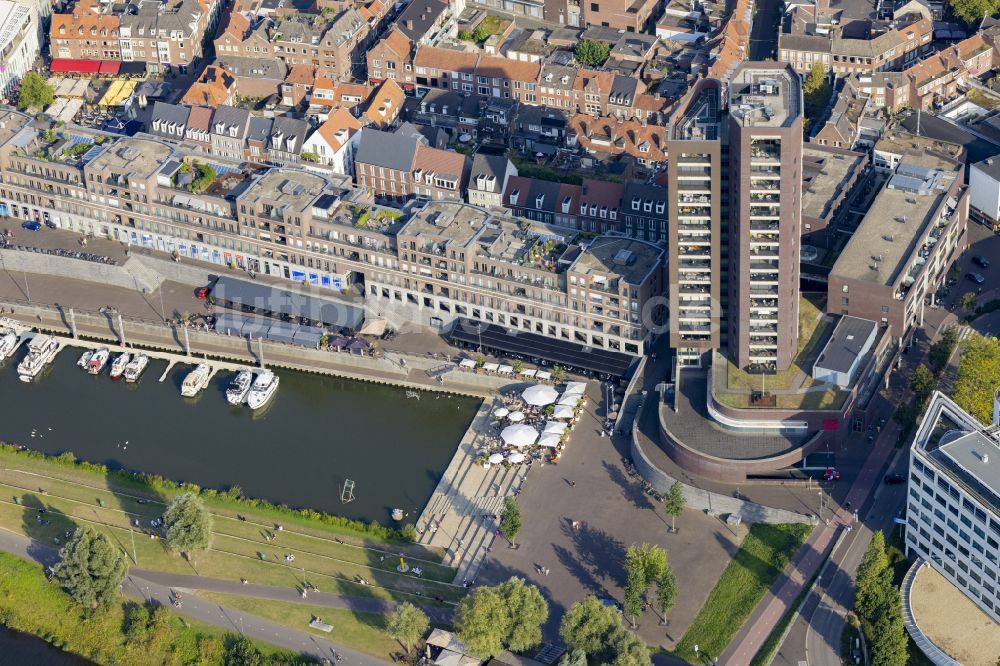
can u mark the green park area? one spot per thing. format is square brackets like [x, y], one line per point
[117, 634]
[754, 568]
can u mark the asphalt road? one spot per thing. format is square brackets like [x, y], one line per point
[159, 588]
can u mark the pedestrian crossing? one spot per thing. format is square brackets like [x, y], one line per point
[964, 332]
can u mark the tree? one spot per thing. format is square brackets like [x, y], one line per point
[626, 649]
[35, 92]
[91, 568]
[407, 624]
[967, 301]
[666, 592]
[816, 91]
[588, 624]
[870, 583]
[510, 522]
[814, 80]
[136, 622]
[940, 352]
[507, 616]
[241, 651]
[978, 377]
[589, 52]
[528, 611]
[673, 503]
[579, 658]
[922, 382]
[188, 524]
[973, 11]
[888, 638]
[635, 587]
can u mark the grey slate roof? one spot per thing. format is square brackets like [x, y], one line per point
[384, 149]
[259, 130]
[489, 165]
[421, 14]
[168, 113]
[846, 343]
[256, 68]
[643, 193]
[230, 115]
[289, 128]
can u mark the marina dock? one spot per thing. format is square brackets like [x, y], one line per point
[171, 358]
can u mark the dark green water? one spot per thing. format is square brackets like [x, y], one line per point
[22, 649]
[316, 432]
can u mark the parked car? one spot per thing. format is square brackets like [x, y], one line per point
[831, 475]
[975, 277]
[611, 603]
[893, 479]
[981, 261]
[31, 226]
[202, 293]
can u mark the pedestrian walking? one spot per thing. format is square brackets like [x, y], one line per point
[572, 484]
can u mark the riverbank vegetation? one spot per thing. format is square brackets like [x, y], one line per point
[31, 604]
[43, 498]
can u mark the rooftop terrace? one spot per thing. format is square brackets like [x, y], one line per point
[291, 189]
[699, 116]
[765, 96]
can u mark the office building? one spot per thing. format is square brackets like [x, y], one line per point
[953, 503]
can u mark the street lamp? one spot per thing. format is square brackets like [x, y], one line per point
[821, 505]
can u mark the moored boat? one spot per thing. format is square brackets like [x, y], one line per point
[263, 389]
[98, 361]
[135, 367]
[195, 381]
[41, 349]
[8, 342]
[119, 364]
[85, 358]
[236, 392]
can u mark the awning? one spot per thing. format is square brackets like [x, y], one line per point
[338, 341]
[506, 369]
[374, 327]
[65, 65]
[308, 336]
[467, 363]
[531, 345]
[358, 344]
[274, 300]
[492, 367]
[543, 374]
[132, 68]
[281, 332]
[109, 67]
[528, 372]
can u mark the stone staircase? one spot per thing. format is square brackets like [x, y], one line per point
[146, 279]
[459, 516]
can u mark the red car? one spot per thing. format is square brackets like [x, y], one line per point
[831, 475]
[202, 292]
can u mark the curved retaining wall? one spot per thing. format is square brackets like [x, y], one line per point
[703, 500]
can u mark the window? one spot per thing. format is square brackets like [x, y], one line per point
[594, 7]
[844, 301]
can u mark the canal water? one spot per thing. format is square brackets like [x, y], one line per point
[18, 648]
[315, 433]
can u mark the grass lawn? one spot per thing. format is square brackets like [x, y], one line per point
[812, 330]
[239, 549]
[31, 604]
[756, 565]
[491, 25]
[364, 632]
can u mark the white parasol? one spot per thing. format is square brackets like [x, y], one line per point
[519, 435]
[515, 417]
[563, 412]
[501, 412]
[550, 440]
[516, 457]
[495, 459]
[554, 428]
[540, 395]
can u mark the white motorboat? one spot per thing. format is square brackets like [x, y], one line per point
[135, 367]
[263, 389]
[41, 350]
[7, 344]
[196, 380]
[98, 361]
[236, 392]
[85, 358]
[119, 364]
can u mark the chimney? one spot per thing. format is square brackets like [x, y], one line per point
[409, 24]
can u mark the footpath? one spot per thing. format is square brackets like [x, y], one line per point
[159, 588]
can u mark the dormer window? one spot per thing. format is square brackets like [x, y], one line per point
[604, 211]
[232, 131]
[593, 210]
[613, 214]
[539, 201]
[660, 207]
[513, 197]
[648, 206]
[220, 128]
[565, 204]
[564, 79]
[635, 204]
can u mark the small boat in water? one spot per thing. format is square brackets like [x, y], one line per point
[41, 350]
[85, 358]
[263, 389]
[119, 364]
[236, 392]
[98, 361]
[135, 367]
[196, 380]
[8, 341]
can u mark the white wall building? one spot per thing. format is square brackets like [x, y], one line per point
[984, 191]
[18, 42]
[953, 507]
